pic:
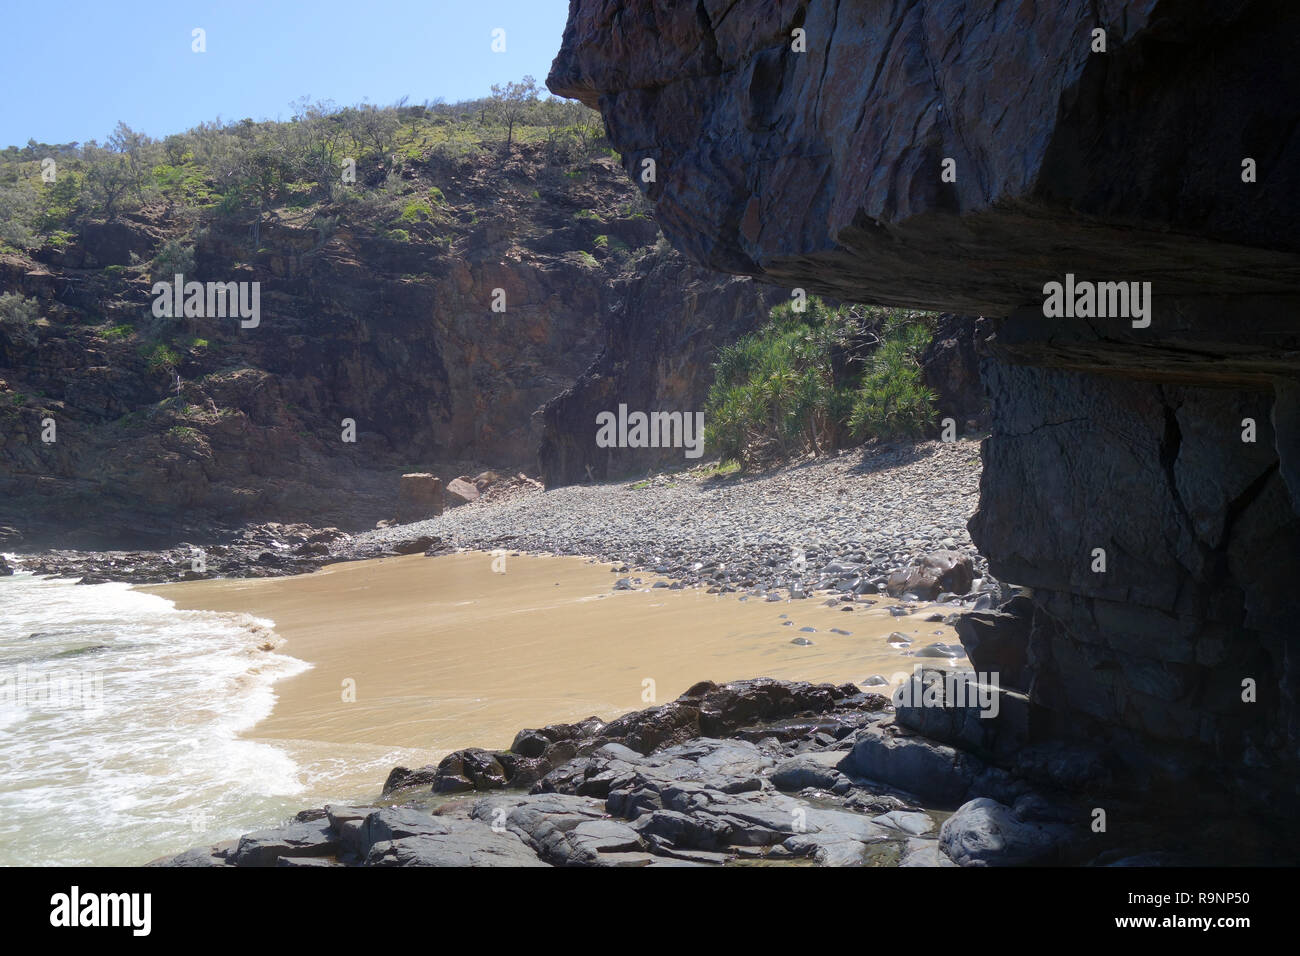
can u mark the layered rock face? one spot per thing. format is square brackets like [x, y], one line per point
[1141, 476]
[660, 344]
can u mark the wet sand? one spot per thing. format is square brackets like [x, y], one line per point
[444, 653]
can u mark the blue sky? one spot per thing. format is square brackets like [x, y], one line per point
[73, 69]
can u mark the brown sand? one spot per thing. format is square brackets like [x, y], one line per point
[446, 653]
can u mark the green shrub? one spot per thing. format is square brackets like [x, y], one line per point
[416, 212]
[806, 382]
[60, 238]
[160, 357]
[398, 235]
[18, 315]
[173, 258]
[117, 332]
[892, 401]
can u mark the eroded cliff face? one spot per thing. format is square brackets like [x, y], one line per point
[660, 344]
[398, 336]
[1172, 447]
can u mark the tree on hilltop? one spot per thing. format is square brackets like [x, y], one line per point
[513, 102]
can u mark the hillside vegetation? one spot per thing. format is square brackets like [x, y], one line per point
[344, 165]
[379, 237]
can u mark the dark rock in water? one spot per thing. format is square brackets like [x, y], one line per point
[941, 571]
[530, 743]
[5, 568]
[983, 832]
[402, 778]
[949, 651]
[470, 769]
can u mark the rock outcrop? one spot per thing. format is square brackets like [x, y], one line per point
[419, 496]
[755, 770]
[1142, 477]
[824, 168]
[659, 349]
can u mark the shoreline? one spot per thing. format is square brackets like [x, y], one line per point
[444, 653]
[863, 513]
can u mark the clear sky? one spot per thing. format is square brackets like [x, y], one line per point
[73, 68]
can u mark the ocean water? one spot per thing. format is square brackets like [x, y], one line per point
[121, 721]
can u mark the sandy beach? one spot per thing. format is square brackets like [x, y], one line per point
[442, 653]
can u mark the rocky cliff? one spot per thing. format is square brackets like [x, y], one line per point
[166, 428]
[1142, 478]
[660, 343]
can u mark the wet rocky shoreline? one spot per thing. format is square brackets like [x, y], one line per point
[751, 772]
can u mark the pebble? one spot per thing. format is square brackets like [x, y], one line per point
[898, 503]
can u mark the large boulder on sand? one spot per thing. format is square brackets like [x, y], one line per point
[418, 497]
